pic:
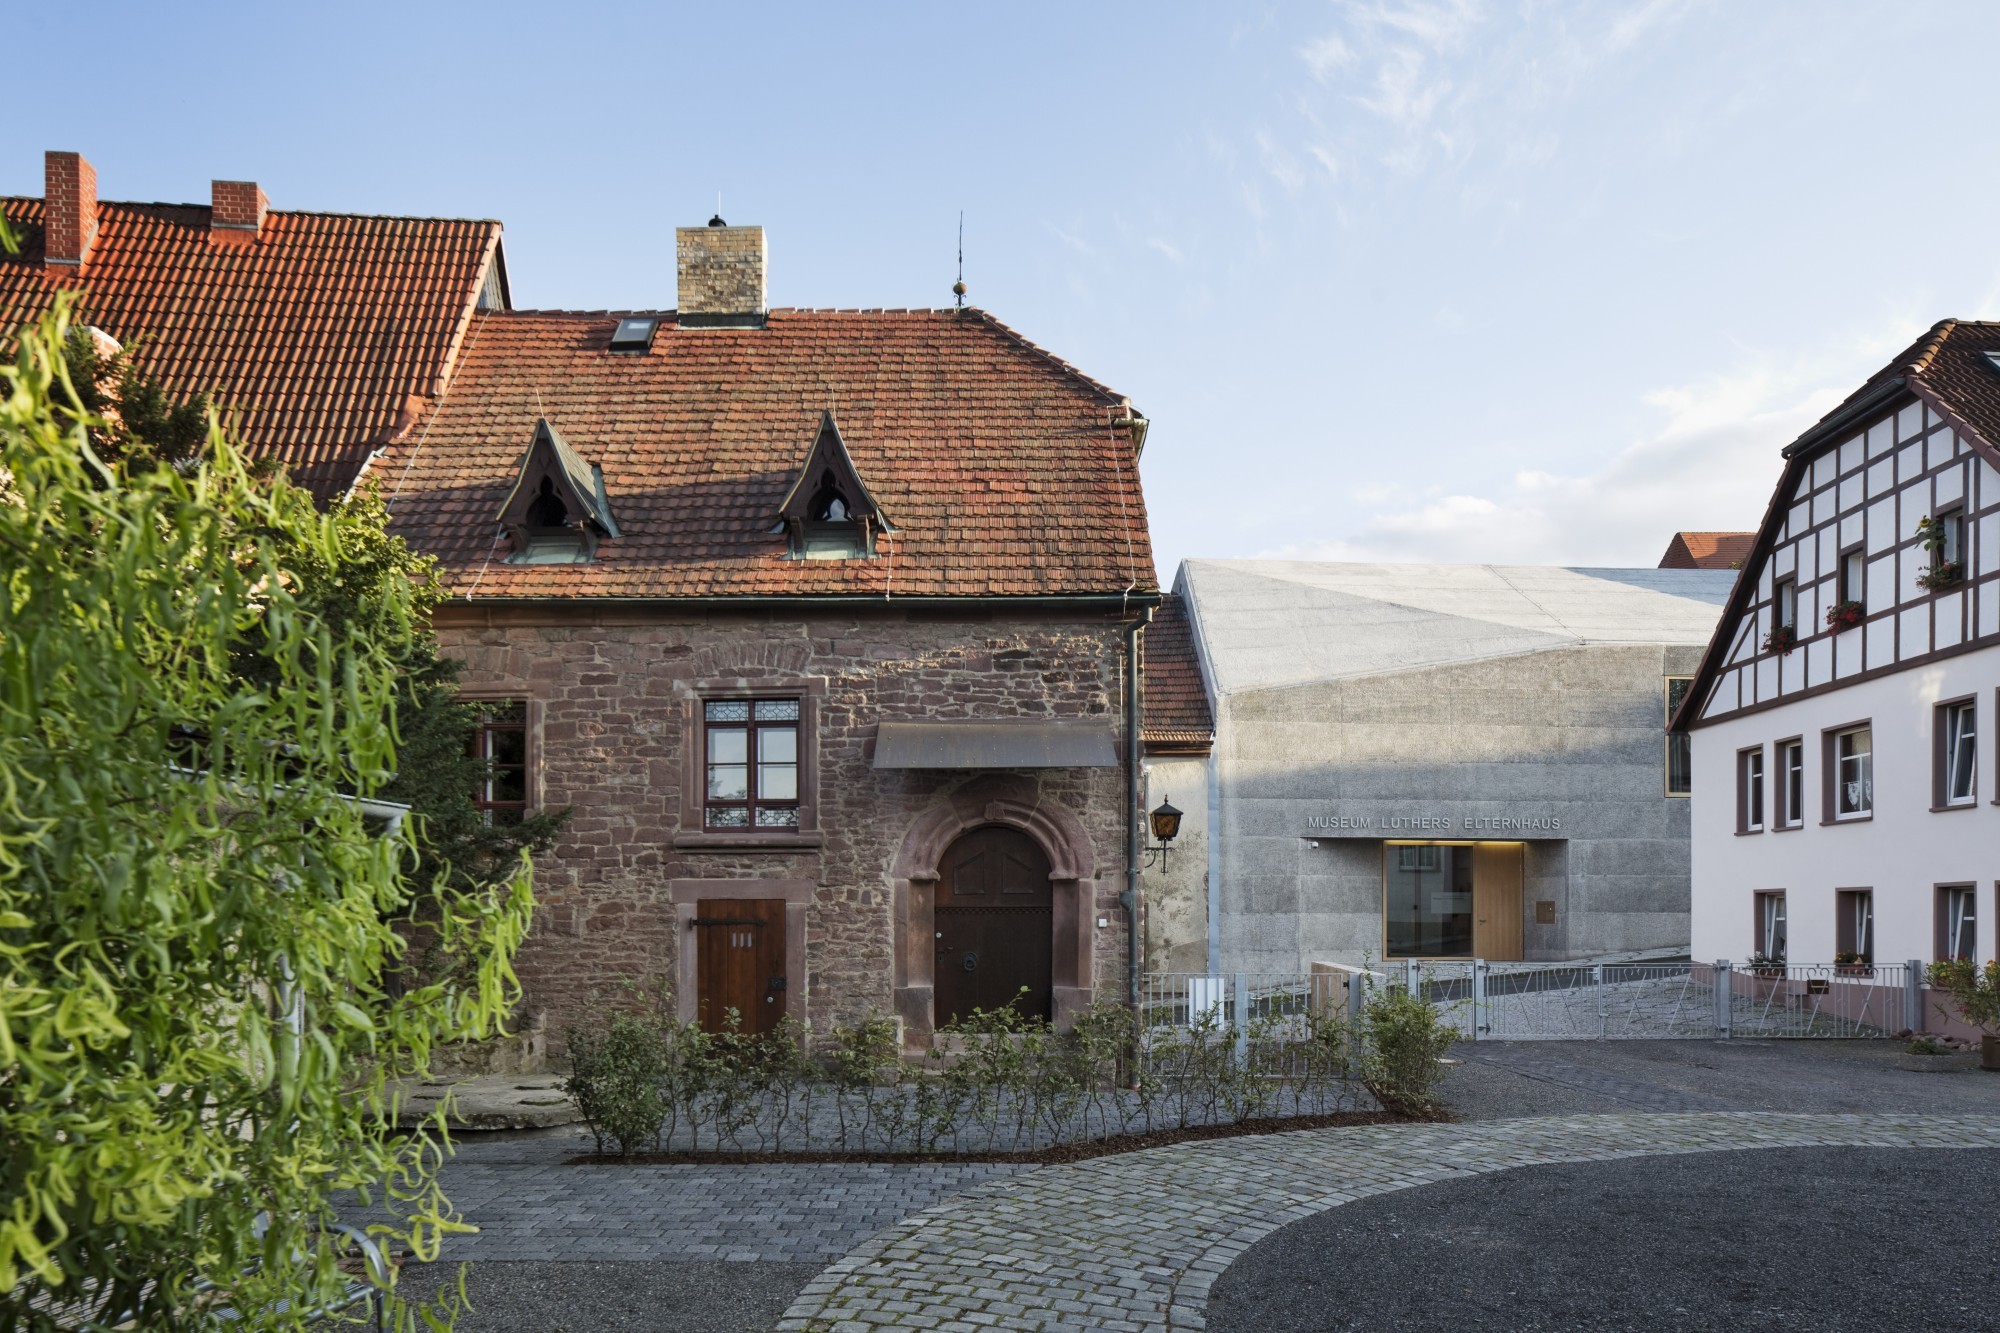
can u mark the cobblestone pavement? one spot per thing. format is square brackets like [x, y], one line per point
[1135, 1242]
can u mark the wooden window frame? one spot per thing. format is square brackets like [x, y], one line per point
[1779, 589]
[1941, 896]
[530, 730]
[753, 727]
[1941, 757]
[1829, 760]
[693, 832]
[1752, 808]
[1787, 814]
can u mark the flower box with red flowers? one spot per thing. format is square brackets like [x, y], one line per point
[1845, 615]
[1946, 574]
[1782, 639]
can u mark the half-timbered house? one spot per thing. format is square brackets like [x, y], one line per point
[1844, 776]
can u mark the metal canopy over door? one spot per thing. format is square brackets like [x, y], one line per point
[740, 963]
[1496, 901]
[995, 923]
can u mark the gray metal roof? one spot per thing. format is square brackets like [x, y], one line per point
[1263, 623]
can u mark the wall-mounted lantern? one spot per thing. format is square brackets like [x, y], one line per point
[1166, 822]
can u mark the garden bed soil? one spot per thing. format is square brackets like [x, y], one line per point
[1053, 1155]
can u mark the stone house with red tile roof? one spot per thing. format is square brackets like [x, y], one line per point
[823, 623]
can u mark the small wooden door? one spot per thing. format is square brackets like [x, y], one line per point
[740, 963]
[1496, 901]
[995, 925]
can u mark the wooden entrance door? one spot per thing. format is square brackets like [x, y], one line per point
[740, 963]
[1496, 901]
[995, 925]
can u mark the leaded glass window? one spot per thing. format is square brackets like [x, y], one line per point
[751, 763]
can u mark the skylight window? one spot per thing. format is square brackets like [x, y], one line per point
[635, 334]
[1993, 359]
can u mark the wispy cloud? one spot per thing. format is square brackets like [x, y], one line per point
[1708, 465]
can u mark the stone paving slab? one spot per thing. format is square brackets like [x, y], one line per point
[1135, 1242]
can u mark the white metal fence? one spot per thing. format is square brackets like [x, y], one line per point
[1566, 1001]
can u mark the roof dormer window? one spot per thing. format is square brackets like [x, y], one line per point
[557, 512]
[634, 334]
[829, 514]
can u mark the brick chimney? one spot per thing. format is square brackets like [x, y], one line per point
[237, 206]
[721, 275]
[69, 209]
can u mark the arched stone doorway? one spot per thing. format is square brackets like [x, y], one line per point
[995, 917]
[1004, 801]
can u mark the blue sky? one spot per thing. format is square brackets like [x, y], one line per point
[1397, 279]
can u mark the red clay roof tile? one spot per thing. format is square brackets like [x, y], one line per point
[999, 463]
[1176, 715]
[314, 331]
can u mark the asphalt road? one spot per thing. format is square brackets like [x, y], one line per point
[1821, 1239]
[586, 1297]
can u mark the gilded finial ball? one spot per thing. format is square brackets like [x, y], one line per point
[958, 289]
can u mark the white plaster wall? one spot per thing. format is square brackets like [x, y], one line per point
[1903, 853]
[1176, 938]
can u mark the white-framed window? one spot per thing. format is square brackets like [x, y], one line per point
[1791, 783]
[1771, 925]
[1785, 608]
[1853, 773]
[1854, 576]
[1957, 740]
[1750, 790]
[1958, 921]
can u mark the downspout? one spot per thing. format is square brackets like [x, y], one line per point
[1129, 899]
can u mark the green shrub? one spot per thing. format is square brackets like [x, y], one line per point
[618, 1081]
[1404, 1036]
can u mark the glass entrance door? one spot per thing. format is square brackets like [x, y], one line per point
[1452, 900]
[1427, 900]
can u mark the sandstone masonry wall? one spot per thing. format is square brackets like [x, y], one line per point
[612, 698]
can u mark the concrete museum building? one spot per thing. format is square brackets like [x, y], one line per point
[1439, 761]
[1841, 722]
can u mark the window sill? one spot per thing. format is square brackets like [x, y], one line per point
[1748, 832]
[1956, 805]
[748, 842]
[1847, 819]
[1788, 828]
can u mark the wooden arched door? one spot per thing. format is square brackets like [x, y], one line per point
[995, 922]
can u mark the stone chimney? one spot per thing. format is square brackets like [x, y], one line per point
[721, 275]
[69, 209]
[237, 206]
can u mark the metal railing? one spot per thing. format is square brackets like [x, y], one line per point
[1564, 1001]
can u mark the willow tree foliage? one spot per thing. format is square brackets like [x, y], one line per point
[202, 985]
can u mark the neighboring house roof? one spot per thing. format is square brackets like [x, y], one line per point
[1274, 623]
[1175, 713]
[1954, 368]
[1707, 550]
[1007, 472]
[317, 331]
